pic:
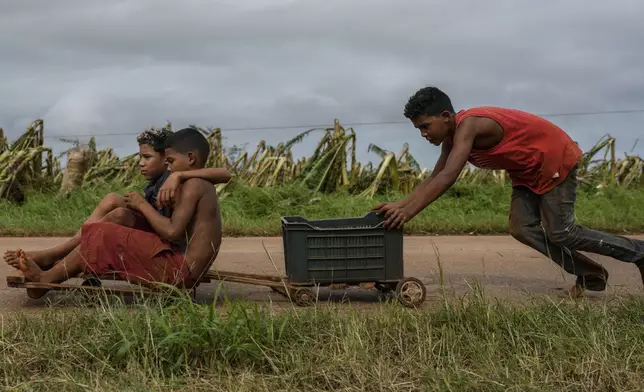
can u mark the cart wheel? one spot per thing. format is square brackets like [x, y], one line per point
[92, 282]
[411, 292]
[303, 296]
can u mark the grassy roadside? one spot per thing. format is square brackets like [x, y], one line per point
[462, 344]
[465, 209]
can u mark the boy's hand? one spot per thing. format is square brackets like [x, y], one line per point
[166, 195]
[396, 214]
[379, 206]
[396, 217]
[134, 200]
[384, 207]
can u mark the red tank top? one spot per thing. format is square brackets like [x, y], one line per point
[534, 152]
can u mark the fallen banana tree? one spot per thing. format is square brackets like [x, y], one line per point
[332, 167]
[21, 163]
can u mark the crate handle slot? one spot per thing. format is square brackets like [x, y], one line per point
[379, 225]
[301, 221]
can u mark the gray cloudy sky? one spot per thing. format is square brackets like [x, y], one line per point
[102, 67]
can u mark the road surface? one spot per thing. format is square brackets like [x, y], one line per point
[503, 267]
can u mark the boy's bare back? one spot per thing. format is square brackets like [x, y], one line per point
[204, 230]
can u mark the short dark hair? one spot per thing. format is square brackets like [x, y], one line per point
[190, 139]
[428, 101]
[155, 137]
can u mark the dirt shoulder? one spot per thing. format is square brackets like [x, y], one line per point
[502, 266]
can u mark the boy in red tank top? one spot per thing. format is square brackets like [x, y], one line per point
[540, 159]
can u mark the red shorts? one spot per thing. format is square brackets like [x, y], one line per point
[137, 256]
[140, 223]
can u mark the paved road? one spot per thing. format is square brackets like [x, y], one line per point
[502, 266]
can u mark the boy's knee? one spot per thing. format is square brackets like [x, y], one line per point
[519, 228]
[100, 230]
[121, 216]
[518, 231]
[561, 237]
[112, 201]
[562, 233]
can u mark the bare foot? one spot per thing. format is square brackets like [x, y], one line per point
[42, 258]
[11, 258]
[575, 291]
[32, 273]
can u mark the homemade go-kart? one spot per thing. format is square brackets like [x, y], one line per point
[334, 253]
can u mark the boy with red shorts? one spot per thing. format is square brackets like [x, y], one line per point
[149, 257]
[540, 159]
[159, 192]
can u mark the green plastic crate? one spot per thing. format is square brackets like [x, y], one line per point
[347, 250]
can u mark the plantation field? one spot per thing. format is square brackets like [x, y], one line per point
[252, 211]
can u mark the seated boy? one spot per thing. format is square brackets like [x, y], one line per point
[113, 208]
[144, 257]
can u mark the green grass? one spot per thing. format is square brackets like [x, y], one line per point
[464, 209]
[459, 345]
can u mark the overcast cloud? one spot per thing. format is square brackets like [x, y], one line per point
[104, 67]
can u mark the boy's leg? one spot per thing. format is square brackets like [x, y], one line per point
[527, 228]
[72, 265]
[122, 216]
[110, 248]
[109, 209]
[558, 209]
[77, 261]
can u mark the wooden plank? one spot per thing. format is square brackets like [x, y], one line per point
[19, 281]
[17, 278]
[108, 290]
[207, 278]
[281, 291]
[216, 275]
[256, 282]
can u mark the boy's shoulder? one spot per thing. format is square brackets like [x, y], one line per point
[196, 186]
[481, 110]
[492, 111]
[499, 114]
[196, 182]
[202, 189]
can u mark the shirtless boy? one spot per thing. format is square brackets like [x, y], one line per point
[159, 192]
[149, 257]
[540, 159]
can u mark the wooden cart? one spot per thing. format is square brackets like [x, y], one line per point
[409, 291]
[334, 253]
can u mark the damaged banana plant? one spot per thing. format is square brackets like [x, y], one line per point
[332, 167]
[21, 163]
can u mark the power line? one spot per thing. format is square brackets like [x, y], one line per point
[352, 124]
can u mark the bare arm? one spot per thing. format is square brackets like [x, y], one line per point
[173, 228]
[215, 175]
[462, 145]
[438, 168]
